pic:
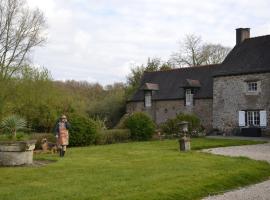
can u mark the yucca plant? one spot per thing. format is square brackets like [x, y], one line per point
[12, 124]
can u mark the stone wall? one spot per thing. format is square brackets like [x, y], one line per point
[231, 96]
[163, 110]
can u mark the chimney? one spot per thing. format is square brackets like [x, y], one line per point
[242, 34]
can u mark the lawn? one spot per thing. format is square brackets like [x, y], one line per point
[139, 170]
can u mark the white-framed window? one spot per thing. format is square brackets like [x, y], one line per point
[252, 86]
[189, 97]
[253, 118]
[148, 99]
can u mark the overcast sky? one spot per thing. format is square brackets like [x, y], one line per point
[100, 40]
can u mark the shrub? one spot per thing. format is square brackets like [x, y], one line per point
[194, 122]
[141, 126]
[101, 123]
[171, 126]
[83, 131]
[112, 136]
[12, 124]
[39, 136]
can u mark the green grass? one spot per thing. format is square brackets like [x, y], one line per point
[139, 170]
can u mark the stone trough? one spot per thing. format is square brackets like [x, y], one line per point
[16, 153]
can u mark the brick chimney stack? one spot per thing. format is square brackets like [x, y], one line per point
[242, 34]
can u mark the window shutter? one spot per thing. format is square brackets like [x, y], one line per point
[242, 118]
[263, 118]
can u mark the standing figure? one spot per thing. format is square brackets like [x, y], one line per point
[61, 131]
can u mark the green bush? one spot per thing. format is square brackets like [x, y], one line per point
[141, 126]
[112, 136]
[171, 126]
[39, 136]
[20, 136]
[83, 131]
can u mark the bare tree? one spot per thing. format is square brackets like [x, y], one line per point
[214, 53]
[21, 29]
[193, 52]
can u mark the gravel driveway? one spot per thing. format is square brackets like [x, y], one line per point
[259, 191]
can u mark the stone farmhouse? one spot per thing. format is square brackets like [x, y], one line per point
[232, 97]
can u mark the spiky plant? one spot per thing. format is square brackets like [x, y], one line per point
[12, 124]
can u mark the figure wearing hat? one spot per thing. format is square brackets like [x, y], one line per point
[61, 133]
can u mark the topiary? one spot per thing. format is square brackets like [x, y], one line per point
[83, 131]
[141, 126]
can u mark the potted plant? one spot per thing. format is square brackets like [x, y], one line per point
[15, 149]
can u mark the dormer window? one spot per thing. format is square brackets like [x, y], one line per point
[190, 87]
[189, 97]
[252, 86]
[148, 99]
[149, 89]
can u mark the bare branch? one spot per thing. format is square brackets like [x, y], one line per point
[195, 53]
[21, 29]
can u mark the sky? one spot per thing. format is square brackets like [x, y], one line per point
[101, 40]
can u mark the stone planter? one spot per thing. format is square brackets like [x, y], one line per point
[184, 143]
[16, 153]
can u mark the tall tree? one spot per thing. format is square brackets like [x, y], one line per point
[21, 29]
[193, 52]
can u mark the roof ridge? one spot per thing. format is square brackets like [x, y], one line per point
[185, 68]
[261, 36]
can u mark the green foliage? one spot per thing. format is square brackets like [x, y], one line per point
[19, 137]
[141, 126]
[40, 100]
[12, 124]
[111, 108]
[113, 136]
[194, 122]
[83, 131]
[134, 78]
[101, 123]
[171, 126]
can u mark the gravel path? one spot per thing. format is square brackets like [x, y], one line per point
[259, 191]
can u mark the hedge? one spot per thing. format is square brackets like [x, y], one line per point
[112, 136]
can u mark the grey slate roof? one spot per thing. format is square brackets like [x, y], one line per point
[171, 82]
[251, 56]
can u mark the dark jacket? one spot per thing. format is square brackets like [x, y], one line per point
[56, 128]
